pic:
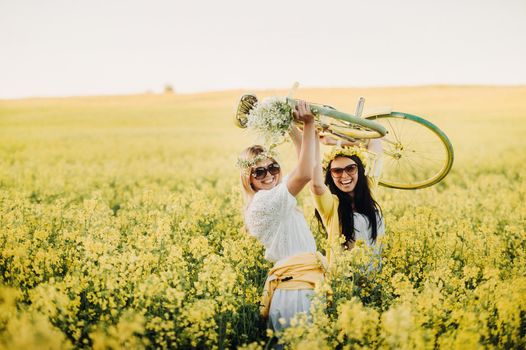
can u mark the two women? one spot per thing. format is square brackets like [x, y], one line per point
[343, 199]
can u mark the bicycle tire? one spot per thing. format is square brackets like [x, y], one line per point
[407, 164]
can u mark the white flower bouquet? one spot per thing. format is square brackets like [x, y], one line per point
[272, 119]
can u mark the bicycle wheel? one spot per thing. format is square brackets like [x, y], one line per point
[417, 154]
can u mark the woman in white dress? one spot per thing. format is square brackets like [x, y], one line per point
[271, 215]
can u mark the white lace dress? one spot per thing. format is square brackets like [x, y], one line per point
[274, 219]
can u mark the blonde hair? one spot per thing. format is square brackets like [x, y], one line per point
[251, 155]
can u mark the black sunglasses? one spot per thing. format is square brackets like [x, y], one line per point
[350, 169]
[259, 173]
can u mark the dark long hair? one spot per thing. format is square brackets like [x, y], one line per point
[363, 200]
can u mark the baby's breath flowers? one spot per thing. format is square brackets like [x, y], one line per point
[272, 119]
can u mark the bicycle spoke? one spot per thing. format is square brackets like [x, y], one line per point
[415, 154]
[394, 131]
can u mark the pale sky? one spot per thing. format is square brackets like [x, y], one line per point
[92, 47]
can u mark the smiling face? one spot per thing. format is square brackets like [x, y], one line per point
[269, 180]
[346, 182]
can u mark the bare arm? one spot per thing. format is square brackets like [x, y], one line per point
[317, 184]
[302, 173]
[295, 135]
[331, 141]
[375, 145]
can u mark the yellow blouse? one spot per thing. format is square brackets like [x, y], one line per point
[327, 205]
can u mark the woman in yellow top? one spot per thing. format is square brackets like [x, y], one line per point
[342, 194]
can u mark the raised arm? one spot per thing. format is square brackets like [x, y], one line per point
[302, 173]
[376, 146]
[295, 135]
[317, 184]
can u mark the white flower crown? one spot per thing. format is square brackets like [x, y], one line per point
[246, 164]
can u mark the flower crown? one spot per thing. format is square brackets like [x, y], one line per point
[246, 164]
[365, 156]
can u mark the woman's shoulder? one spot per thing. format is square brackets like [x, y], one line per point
[361, 215]
[379, 213]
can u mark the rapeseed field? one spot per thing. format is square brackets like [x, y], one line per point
[121, 227]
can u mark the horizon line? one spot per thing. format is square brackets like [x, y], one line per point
[211, 91]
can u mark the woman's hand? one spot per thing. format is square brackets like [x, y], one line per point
[296, 136]
[327, 140]
[302, 113]
[302, 173]
[331, 141]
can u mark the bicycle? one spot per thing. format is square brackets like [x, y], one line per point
[417, 154]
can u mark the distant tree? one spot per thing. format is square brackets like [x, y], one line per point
[168, 89]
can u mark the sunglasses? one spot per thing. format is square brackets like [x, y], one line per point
[259, 173]
[350, 169]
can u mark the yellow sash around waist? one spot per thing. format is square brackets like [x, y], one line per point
[301, 271]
